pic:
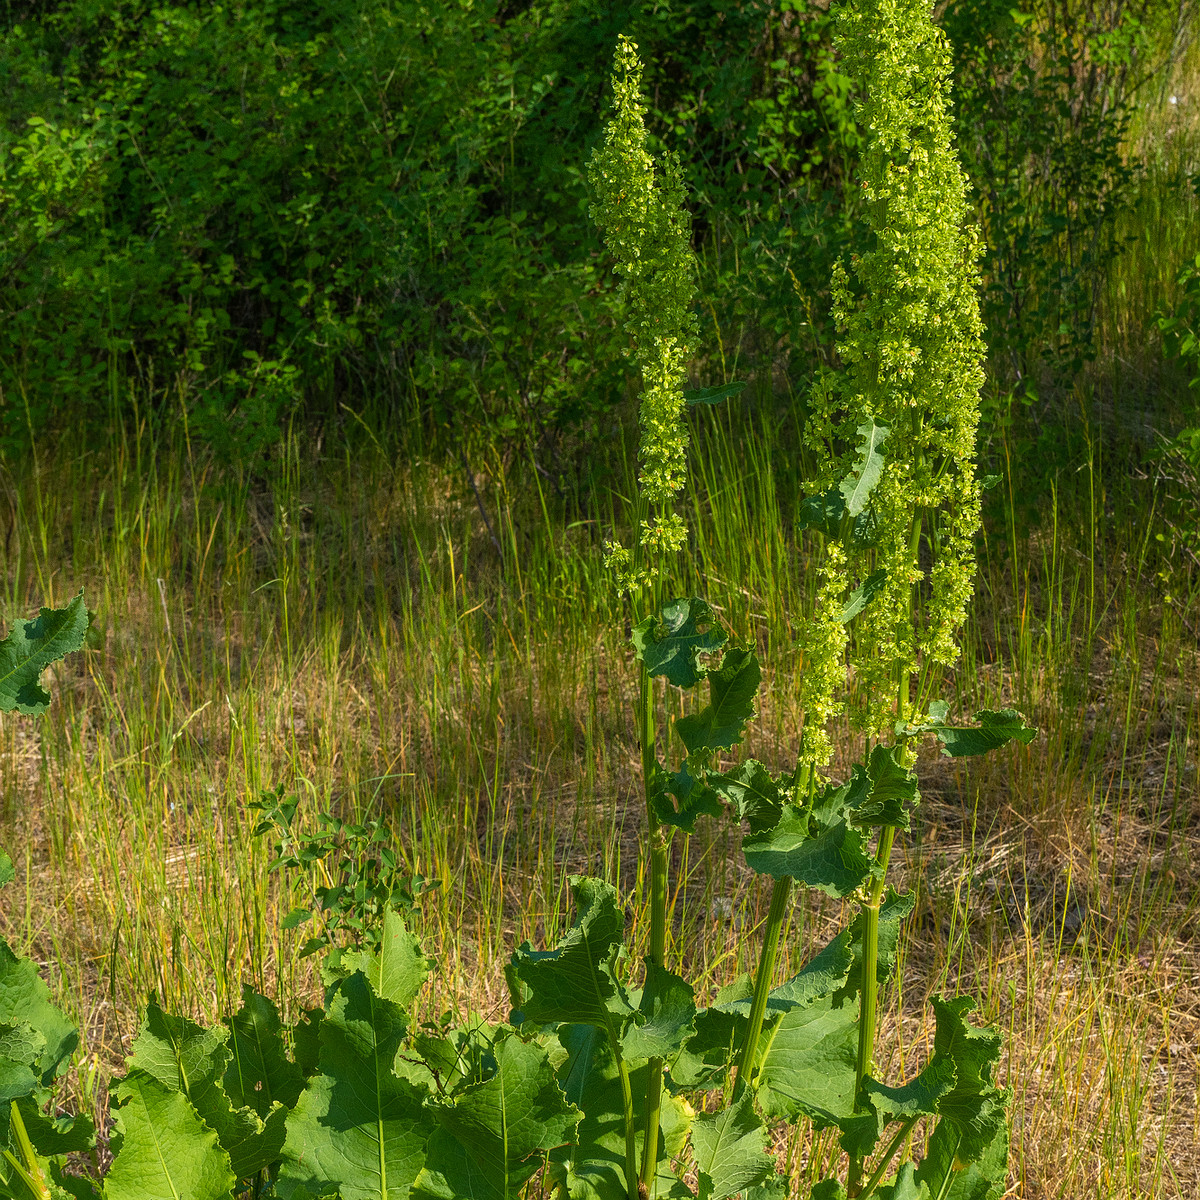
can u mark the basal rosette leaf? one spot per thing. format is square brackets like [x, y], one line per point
[594, 1167]
[25, 999]
[32, 646]
[721, 724]
[358, 1129]
[259, 1073]
[494, 1135]
[574, 982]
[729, 1147]
[163, 1151]
[671, 643]
[185, 1057]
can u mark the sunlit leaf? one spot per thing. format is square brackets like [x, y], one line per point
[671, 643]
[730, 1149]
[722, 723]
[664, 1017]
[32, 646]
[857, 487]
[398, 968]
[863, 595]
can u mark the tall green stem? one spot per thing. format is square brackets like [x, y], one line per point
[869, 986]
[781, 893]
[660, 844]
[631, 1174]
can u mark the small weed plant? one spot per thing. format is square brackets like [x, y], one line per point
[611, 1080]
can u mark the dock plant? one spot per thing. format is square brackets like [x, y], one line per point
[609, 1080]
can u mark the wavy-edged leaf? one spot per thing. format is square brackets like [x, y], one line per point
[864, 477]
[398, 969]
[670, 644]
[259, 1073]
[31, 647]
[863, 595]
[996, 728]
[163, 1151]
[665, 1016]
[730, 1149]
[721, 724]
[906, 1186]
[53, 1135]
[594, 1168]
[893, 792]
[693, 797]
[574, 982]
[358, 1129]
[714, 395]
[892, 912]
[185, 1057]
[494, 1135]
[24, 998]
[832, 858]
[756, 795]
[985, 1179]
[21, 1047]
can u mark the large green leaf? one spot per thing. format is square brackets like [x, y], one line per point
[357, 1130]
[832, 857]
[857, 487]
[984, 1179]
[32, 646]
[721, 724]
[893, 791]
[730, 1150]
[259, 1072]
[594, 1168]
[163, 1151]
[494, 1135]
[574, 982]
[190, 1059]
[975, 1105]
[398, 969]
[757, 796]
[996, 728]
[892, 912]
[664, 1018]
[24, 997]
[21, 1047]
[693, 796]
[670, 644]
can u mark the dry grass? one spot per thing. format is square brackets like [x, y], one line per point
[348, 630]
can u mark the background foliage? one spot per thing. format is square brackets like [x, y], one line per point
[244, 212]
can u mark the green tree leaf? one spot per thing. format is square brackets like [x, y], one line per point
[714, 395]
[358, 1129]
[24, 997]
[857, 487]
[730, 1149]
[722, 723]
[574, 982]
[259, 1072]
[163, 1151]
[398, 969]
[664, 1018]
[32, 646]
[671, 643]
[494, 1135]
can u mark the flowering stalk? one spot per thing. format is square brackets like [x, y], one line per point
[639, 207]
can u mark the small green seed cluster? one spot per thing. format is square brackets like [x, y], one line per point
[912, 352]
[639, 207]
